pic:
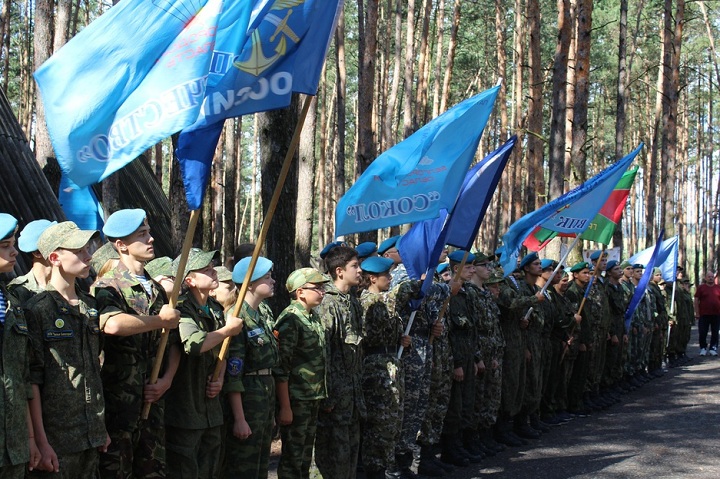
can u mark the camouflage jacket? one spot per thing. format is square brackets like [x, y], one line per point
[24, 287]
[489, 334]
[565, 319]
[642, 314]
[254, 349]
[462, 325]
[515, 299]
[657, 300]
[574, 295]
[598, 300]
[66, 365]
[301, 339]
[684, 308]
[16, 390]
[187, 404]
[618, 300]
[380, 328]
[128, 359]
[407, 293]
[341, 317]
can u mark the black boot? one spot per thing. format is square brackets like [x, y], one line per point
[469, 443]
[486, 437]
[428, 465]
[375, 474]
[503, 434]
[404, 462]
[451, 454]
[523, 429]
[537, 424]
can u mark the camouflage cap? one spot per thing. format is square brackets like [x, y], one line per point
[223, 274]
[495, 278]
[303, 276]
[65, 235]
[197, 259]
[162, 266]
[102, 255]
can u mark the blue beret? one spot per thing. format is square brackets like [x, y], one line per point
[596, 255]
[529, 258]
[546, 263]
[442, 267]
[262, 266]
[330, 246]
[377, 265]
[611, 264]
[366, 249]
[27, 241]
[8, 225]
[638, 266]
[387, 244]
[579, 266]
[458, 255]
[123, 223]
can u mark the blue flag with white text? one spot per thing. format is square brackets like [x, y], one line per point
[569, 214]
[131, 78]
[415, 179]
[282, 52]
[667, 258]
[421, 246]
[644, 280]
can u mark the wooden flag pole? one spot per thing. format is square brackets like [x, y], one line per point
[187, 244]
[265, 227]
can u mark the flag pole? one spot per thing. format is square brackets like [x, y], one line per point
[265, 227]
[596, 275]
[172, 302]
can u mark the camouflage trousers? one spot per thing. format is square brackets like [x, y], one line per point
[597, 357]
[138, 453]
[249, 458]
[76, 465]
[298, 440]
[417, 366]
[513, 379]
[193, 453]
[461, 412]
[337, 447]
[10, 471]
[635, 347]
[439, 398]
[384, 389]
[613, 363]
[578, 379]
[553, 349]
[533, 374]
[647, 343]
[488, 391]
[657, 346]
[568, 355]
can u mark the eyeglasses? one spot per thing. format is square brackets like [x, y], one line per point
[485, 265]
[318, 290]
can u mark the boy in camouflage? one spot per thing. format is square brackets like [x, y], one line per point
[383, 380]
[68, 410]
[249, 384]
[193, 412]
[26, 286]
[300, 377]
[337, 441]
[132, 315]
[17, 442]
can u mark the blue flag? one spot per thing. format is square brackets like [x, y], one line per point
[128, 80]
[281, 52]
[569, 214]
[644, 280]
[80, 205]
[421, 246]
[667, 258]
[416, 178]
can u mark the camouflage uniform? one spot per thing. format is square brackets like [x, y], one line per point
[416, 360]
[617, 302]
[15, 374]
[516, 297]
[581, 366]
[25, 287]
[301, 339]
[599, 314]
[552, 350]
[660, 322]
[138, 446]
[193, 421]
[337, 442]
[398, 274]
[252, 355]
[684, 316]
[564, 353]
[65, 365]
[491, 346]
[534, 369]
[383, 382]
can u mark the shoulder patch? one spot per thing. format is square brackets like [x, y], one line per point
[234, 366]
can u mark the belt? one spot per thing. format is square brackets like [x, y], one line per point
[381, 350]
[260, 372]
[420, 332]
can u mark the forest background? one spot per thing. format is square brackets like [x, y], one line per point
[584, 82]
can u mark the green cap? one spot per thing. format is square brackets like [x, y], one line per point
[495, 277]
[162, 266]
[65, 235]
[102, 255]
[625, 264]
[303, 276]
[481, 257]
[197, 259]
[579, 266]
[223, 274]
